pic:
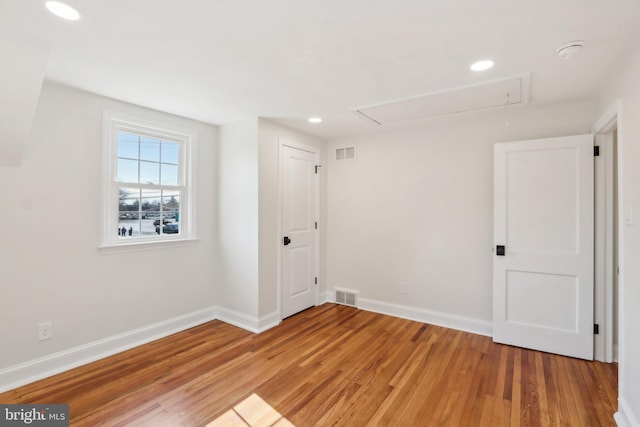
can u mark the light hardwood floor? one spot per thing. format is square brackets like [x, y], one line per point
[333, 365]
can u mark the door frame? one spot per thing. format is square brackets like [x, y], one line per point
[605, 235]
[284, 142]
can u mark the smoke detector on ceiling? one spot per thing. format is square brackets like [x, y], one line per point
[569, 49]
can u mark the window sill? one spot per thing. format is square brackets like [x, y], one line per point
[145, 245]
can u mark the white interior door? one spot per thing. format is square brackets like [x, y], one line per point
[299, 186]
[543, 237]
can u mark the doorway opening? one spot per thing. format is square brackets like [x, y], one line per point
[606, 212]
[299, 192]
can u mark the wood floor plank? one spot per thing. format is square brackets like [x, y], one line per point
[541, 388]
[516, 397]
[333, 366]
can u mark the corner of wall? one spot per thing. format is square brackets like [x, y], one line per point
[625, 416]
[250, 323]
[269, 137]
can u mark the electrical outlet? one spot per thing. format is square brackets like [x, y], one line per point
[403, 287]
[45, 331]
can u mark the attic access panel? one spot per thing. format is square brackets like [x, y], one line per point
[464, 99]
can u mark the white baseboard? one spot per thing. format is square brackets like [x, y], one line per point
[452, 321]
[268, 321]
[326, 296]
[46, 366]
[245, 321]
[625, 417]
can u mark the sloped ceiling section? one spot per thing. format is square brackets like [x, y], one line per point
[24, 63]
[497, 93]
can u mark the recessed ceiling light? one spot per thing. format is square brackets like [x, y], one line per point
[315, 120]
[63, 10]
[485, 64]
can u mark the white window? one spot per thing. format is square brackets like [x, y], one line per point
[148, 183]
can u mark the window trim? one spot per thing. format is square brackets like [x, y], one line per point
[113, 122]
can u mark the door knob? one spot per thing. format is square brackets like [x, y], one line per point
[286, 240]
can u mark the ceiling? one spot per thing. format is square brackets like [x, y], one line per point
[221, 61]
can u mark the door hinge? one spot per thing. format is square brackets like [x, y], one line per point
[318, 166]
[596, 151]
[596, 329]
[316, 280]
[316, 225]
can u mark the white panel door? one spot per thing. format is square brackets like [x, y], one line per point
[298, 181]
[543, 237]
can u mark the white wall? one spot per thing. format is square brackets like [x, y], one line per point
[238, 218]
[20, 81]
[416, 206]
[50, 264]
[248, 220]
[625, 87]
[269, 137]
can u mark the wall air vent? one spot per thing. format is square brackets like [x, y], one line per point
[346, 153]
[347, 297]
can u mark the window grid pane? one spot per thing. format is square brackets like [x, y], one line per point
[168, 174]
[149, 149]
[170, 153]
[145, 212]
[128, 170]
[148, 175]
[147, 160]
[128, 145]
[149, 172]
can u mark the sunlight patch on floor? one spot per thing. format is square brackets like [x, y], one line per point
[253, 412]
